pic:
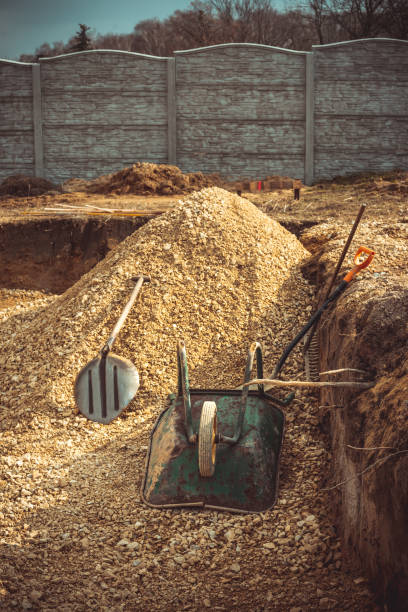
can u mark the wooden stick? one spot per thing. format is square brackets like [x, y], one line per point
[273, 382]
[98, 208]
[62, 205]
[62, 211]
[369, 448]
[337, 270]
[343, 370]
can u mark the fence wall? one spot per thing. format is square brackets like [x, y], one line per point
[361, 107]
[101, 112]
[243, 110]
[16, 119]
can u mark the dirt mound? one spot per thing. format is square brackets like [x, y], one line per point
[74, 185]
[395, 180]
[222, 275]
[145, 179]
[21, 185]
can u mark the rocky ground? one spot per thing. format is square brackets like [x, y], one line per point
[75, 534]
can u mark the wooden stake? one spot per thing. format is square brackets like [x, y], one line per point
[273, 382]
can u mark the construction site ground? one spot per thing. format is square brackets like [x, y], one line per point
[75, 534]
[386, 195]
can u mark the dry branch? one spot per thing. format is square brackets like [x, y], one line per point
[273, 382]
[342, 370]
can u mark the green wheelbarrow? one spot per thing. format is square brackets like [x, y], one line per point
[216, 448]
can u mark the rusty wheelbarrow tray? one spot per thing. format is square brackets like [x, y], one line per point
[247, 444]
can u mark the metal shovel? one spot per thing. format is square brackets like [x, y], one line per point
[108, 383]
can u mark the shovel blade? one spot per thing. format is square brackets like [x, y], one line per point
[105, 386]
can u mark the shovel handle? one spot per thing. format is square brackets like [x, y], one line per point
[360, 264]
[140, 280]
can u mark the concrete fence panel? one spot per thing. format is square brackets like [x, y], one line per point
[361, 107]
[16, 119]
[241, 110]
[101, 111]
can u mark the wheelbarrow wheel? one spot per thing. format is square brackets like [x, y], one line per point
[206, 439]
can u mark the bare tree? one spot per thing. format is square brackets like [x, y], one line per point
[194, 28]
[123, 42]
[209, 22]
[152, 37]
[396, 19]
[318, 9]
[224, 13]
[359, 18]
[45, 50]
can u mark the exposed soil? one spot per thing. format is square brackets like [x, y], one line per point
[369, 431]
[76, 535]
[151, 179]
[21, 185]
[51, 254]
[385, 196]
[141, 178]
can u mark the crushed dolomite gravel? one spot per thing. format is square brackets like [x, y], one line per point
[75, 535]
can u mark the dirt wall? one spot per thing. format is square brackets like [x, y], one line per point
[367, 330]
[52, 254]
[372, 506]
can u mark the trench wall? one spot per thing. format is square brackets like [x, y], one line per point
[370, 489]
[243, 110]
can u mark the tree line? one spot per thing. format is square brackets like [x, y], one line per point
[210, 22]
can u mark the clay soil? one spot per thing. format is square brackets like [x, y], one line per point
[75, 533]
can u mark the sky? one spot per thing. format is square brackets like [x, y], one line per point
[26, 24]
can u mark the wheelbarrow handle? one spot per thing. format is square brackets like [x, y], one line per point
[140, 280]
[360, 264]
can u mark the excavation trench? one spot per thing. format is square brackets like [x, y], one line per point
[50, 255]
[368, 431]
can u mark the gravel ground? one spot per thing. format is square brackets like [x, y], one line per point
[75, 535]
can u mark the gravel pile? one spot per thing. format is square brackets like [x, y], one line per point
[15, 301]
[222, 275]
[75, 535]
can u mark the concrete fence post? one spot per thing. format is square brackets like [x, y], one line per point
[309, 148]
[171, 110]
[37, 122]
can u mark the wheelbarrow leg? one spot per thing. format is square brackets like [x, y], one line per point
[255, 350]
[184, 390]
